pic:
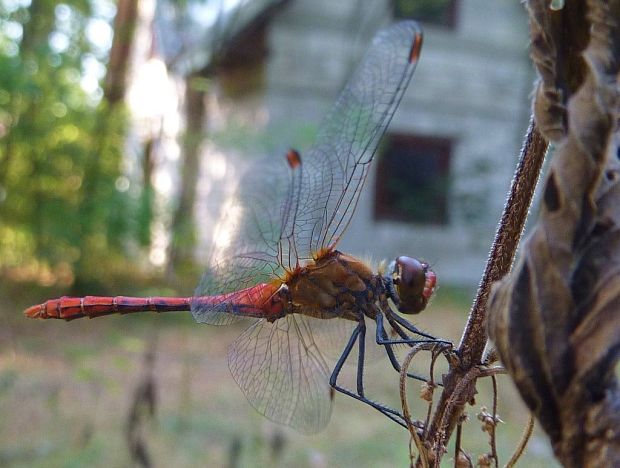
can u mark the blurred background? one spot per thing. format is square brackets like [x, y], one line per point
[123, 128]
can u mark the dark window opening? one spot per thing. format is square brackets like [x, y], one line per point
[438, 12]
[241, 71]
[413, 179]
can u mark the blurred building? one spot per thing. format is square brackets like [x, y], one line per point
[439, 183]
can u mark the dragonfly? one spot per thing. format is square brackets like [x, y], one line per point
[281, 272]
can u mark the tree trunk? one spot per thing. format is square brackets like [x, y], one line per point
[124, 28]
[183, 235]
[147, 196]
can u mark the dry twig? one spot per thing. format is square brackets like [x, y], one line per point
[527, 433]
[473, 342]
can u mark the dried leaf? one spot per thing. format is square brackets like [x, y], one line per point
[555, 319]
[558, 61]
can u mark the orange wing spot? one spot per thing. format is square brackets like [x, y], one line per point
[416, 47]
[293, 158]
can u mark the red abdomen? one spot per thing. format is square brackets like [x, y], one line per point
[69, 308]
[260, 301]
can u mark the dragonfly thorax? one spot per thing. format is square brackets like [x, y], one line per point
[335, 285]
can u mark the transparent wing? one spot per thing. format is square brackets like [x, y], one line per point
[249, 249]
[282, 373]
[336, 167]
[285, 212]
[331, 336]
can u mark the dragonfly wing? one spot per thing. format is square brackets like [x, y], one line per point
[337, 165]
[331, 337]
[250, 250]
[282, 373]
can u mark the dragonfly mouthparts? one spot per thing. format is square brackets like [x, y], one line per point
[429, 283]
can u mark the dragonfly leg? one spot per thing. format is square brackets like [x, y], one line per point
[391, 290]
[395, 318]
[361, 342]
[359, 335]
[343, 357]
[382, 339]
[398, 323]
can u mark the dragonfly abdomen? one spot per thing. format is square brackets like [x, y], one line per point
[264, 300]
[69, 308]
[260, 301]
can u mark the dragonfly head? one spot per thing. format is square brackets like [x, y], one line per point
[414, 282]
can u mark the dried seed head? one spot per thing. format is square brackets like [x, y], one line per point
[463, 461]
[426, 391]
[485, 460]
[488, 421]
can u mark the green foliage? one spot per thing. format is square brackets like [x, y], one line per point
[61, 146]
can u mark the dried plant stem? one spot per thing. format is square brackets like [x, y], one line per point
[495, 421]
[463, 392]
[431, 385]
[142, 409]
[457, 443]
[500, 260]
[405, 405]
[505, 243]
[525, 437]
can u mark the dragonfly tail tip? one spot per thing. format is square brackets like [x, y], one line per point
[34, 312]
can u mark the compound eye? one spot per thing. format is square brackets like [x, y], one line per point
[411, 278]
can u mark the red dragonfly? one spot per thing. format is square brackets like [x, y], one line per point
[281, 270]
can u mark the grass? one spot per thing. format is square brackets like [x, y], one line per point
[66, 390]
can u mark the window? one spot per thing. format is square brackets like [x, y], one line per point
[412, 183]
[439, 12]
[242, 69]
